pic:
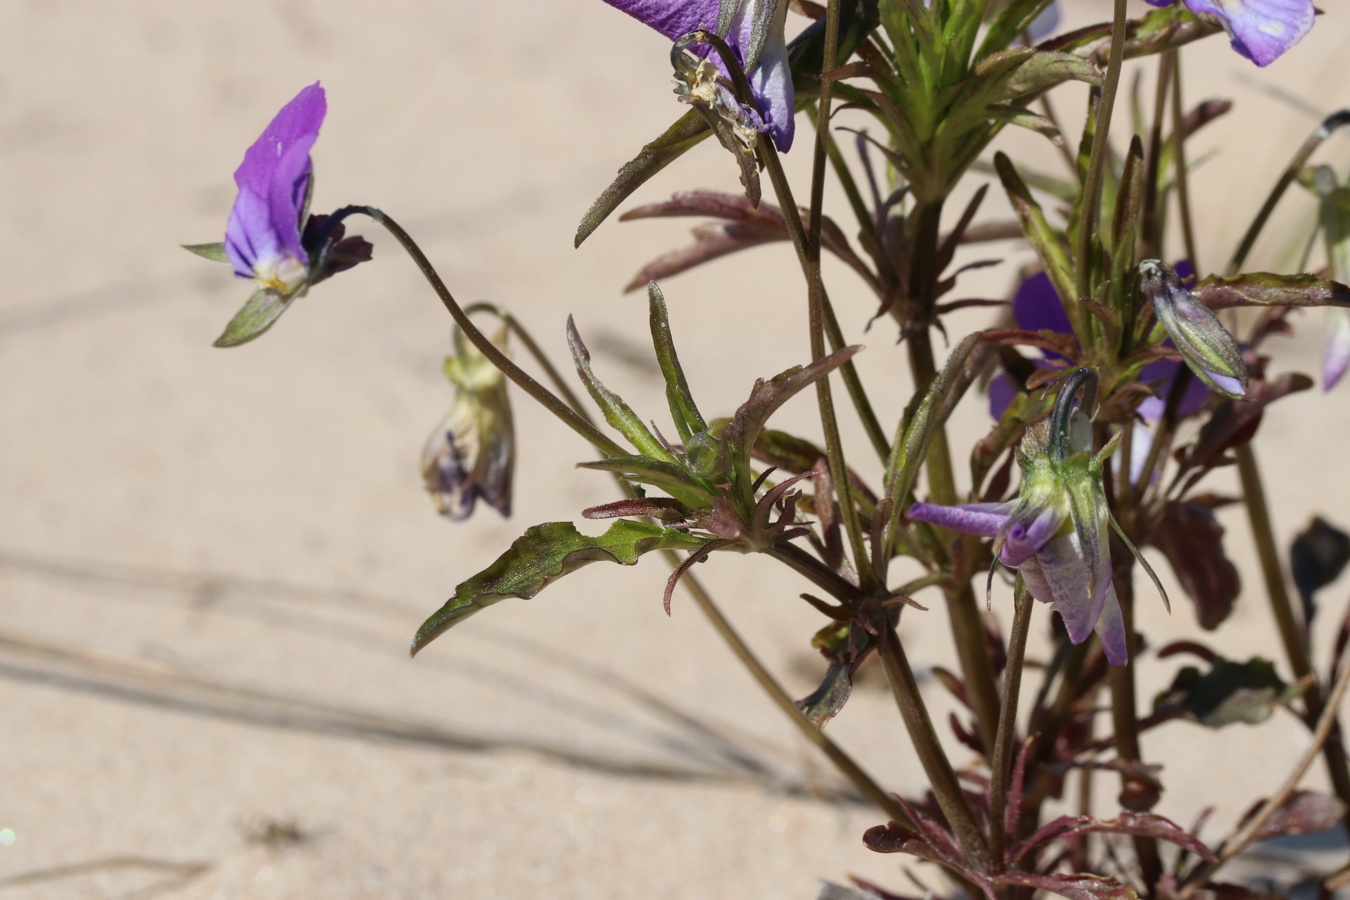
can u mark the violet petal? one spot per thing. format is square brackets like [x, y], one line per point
[1261, 30]
[982, 519]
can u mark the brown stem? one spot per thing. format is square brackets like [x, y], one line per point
[1000, 768]
[1124, 718]
[941, 776]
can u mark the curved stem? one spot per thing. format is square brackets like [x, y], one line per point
[508, 368]
[513, 324]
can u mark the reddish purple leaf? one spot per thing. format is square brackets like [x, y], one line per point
[1304, 812]
[1192, 540]
[1075, 887]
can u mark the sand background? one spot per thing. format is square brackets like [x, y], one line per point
[211, 562]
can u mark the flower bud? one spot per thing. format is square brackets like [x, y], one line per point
[1206, 346]
[471, 454]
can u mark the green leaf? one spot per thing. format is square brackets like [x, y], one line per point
[672, 478]
[1229, 692]
[214, 252]
[1047, 242]
[688, 420]
[617, 413]
[540, 557]
[256, 316]
[655, 156]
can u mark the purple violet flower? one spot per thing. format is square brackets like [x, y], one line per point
[1036, 307]
[769, 74]
[1261, 30]
[1205, 345]
[262, 237]
[1056, 534]
[271, 239]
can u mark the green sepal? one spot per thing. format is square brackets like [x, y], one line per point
[540, 557]
[214, 252]
[688, 420]
[255, 317]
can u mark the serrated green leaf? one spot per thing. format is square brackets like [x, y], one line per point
[255, 317]
[540, 557]
[214, 252]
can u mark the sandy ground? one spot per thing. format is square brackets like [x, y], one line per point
[211, 562]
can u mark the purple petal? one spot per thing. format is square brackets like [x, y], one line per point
[1260, 30]
[1227, 383]
[1044, 24]
[982, 519]
[1165, 371]
[1024, 540]
[671, 17]
[265, 223]
[1001, 394]
[1036, 306]
[772, 84]
[1336, 356]
[1061, 577]
[1111, 631]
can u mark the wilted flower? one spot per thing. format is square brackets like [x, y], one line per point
[1203, 342]
[472, 453]
[1036, 307]
[763, 54]
[1056, 533]
[270, 239]
[1260, 30]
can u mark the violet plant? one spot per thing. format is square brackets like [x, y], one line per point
[1116, 386]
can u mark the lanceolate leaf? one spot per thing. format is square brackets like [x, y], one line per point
[617, 413]
[1229, 692]
[540, 557]
[684, 134]
[688, 420]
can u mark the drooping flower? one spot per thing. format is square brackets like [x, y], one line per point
[263, 233]
[1036, 307]
[1056, 532]
[471, 454]
[270, 237]
[763, 52]
[1261, 30]
[1205, 345]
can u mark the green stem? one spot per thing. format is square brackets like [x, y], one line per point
[842, 761]
[1090, 202]
[532, 346]
[1286, 621]
[815, 288]
[518, 376]
[1000, 768]
[936, 766]
[963, 611]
